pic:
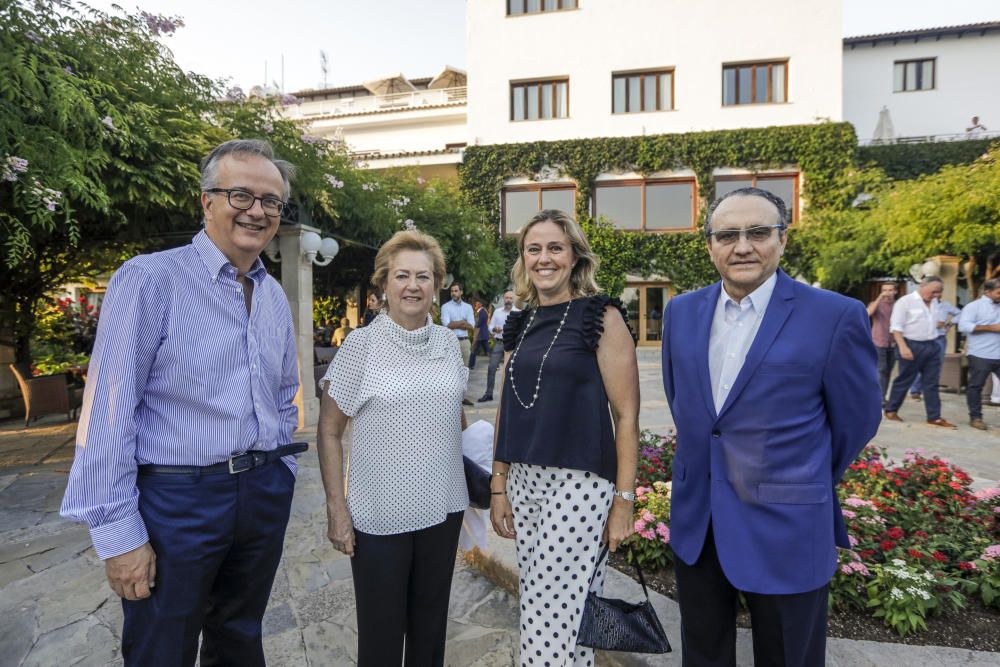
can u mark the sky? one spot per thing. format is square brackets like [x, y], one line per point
[368, 39]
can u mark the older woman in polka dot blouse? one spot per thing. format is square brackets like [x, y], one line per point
[567, 436]
[400, 382]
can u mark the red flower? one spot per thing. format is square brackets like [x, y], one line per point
[886, 494]
[887, 545]
[939, 557]
[921, 534]
[916, 554]
[894, 533]
[866, 553]
[967, 566]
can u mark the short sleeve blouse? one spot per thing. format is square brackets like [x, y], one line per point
[570, 424]
[403, 390]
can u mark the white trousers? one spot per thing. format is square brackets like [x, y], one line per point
[559, 518]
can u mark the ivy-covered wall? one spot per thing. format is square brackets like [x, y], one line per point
[823, 153]
[906, 161]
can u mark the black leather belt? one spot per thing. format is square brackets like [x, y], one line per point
[236, 464]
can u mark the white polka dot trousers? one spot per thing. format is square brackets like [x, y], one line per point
[559, 517]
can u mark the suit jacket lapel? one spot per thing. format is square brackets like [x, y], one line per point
[706, 310]
[778, 310]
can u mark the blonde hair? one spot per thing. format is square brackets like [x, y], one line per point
[408, 240]
[581, 280]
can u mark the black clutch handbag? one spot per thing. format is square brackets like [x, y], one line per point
[616, 625]
[478, 481]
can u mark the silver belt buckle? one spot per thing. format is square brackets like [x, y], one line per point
[246, 456]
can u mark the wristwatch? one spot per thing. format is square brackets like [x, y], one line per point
[626, 495]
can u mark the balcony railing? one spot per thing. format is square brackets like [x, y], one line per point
[930, 138]
[395, 102]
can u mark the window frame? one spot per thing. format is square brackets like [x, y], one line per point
[932, 60]
[754, 64]
[561, 6]
[531, 187]
[538, 83]
[643, 182]
[658, 72]
[755, 178]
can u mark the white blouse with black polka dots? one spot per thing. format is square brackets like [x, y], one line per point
[403, 392]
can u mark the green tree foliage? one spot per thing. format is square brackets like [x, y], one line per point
[101, 134]
[98, 129]
[469, 244]
[955, 211]
[907, 161]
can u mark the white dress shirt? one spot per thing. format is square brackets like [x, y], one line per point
[734, 327]
[498, 320]
[913, 318]
[457, 312]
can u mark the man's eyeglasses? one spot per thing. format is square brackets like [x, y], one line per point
[752, 234]
[243, 200]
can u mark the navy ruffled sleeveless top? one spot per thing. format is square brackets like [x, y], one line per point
[570, 425]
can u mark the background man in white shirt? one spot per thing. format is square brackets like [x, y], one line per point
[496, 352]
[980, 321]
[458, 316]
[914, 326]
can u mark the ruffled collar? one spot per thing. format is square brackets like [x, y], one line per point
[422, 342]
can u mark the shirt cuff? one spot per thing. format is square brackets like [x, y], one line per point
[119, 537]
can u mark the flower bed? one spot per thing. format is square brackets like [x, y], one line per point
[923, 542]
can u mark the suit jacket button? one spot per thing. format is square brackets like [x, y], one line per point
[716, 433]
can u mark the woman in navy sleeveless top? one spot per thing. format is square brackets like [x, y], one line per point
[567, 435]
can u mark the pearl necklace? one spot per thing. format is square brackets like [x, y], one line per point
[513, 357]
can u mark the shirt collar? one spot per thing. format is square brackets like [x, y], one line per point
[216, 262]
[759, 298]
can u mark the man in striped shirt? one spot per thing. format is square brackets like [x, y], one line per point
[182, 469]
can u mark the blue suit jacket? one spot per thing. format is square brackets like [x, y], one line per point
[763, 469]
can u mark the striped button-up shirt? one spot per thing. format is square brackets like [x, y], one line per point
[181, 375]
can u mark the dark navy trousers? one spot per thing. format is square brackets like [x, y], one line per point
[218, 540]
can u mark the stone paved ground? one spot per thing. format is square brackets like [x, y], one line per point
[55, 607]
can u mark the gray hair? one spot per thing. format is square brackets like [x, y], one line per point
[751, 192]
[931, 279]
[991, 284]
[210, 164]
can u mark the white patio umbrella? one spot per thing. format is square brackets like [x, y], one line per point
[884, 131]
[389, 85]
[450, 77]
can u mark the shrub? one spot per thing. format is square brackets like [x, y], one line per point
[650, 544]
[656, 457]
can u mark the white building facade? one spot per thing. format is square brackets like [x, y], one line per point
[926, 84]
[393, 121]
[594, 68]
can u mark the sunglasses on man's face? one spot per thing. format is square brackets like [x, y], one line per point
[753, 234]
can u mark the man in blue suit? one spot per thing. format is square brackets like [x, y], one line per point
[774, 390]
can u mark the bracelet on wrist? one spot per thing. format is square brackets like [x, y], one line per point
[498, 493]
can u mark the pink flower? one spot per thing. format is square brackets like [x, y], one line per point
[853, 541]
[639, 526]
[648, 534]
[986, 494]
[663, 531]
[848, 514]
[647, 516]
[992, 552]
[857, 502]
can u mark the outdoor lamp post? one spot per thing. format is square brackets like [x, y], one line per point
[298, 248]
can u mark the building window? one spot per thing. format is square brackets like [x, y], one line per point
[539, 100]
[520, 203]
[910, 75]
[755, 83]
[653, 205]
[517, 7]
[642, 91]
[786, 186]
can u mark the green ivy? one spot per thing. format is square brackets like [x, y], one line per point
[907, 161]
[823, 153]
